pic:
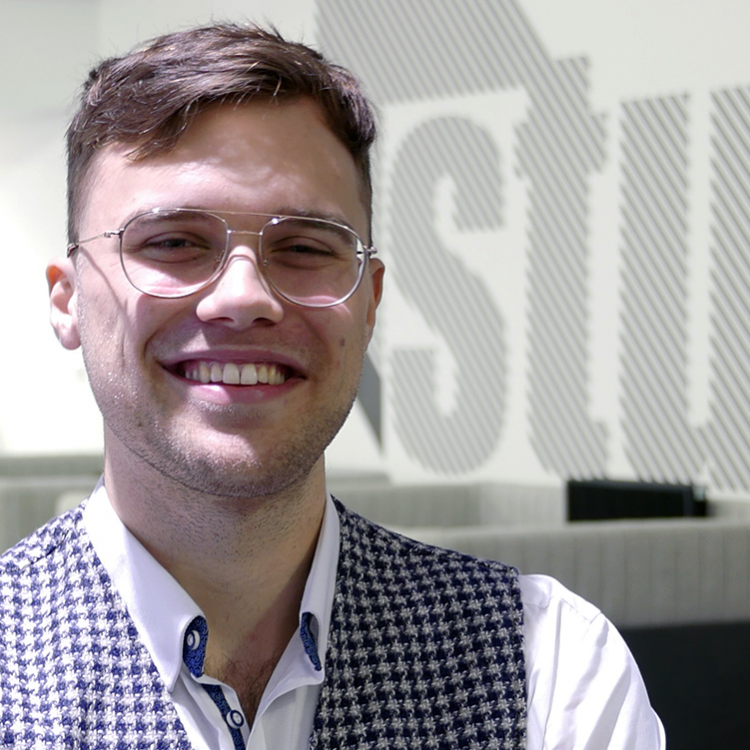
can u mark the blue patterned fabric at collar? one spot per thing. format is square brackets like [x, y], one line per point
[194, 646]
[308, 641]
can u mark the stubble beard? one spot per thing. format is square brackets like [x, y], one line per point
[203, 469]
[239, 477]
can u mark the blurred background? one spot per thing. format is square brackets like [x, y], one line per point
[563, 204]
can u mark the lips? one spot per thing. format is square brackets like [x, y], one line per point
[232, 373]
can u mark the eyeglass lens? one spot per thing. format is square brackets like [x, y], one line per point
[174, 253]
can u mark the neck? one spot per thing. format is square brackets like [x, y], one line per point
[244, 561]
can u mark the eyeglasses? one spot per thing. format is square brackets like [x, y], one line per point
[176, 252]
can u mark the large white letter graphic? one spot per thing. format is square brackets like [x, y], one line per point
[453, 301]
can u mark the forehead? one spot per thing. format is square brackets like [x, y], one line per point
[264, 157]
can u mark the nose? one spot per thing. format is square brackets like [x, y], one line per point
[240, 296]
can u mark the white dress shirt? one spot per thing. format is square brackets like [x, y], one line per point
[584, 688]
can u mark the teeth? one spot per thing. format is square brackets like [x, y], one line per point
[233, 374]
[249, 375]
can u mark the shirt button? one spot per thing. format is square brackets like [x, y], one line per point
[193, 640]
[235, 719]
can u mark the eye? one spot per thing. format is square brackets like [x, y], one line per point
[158, 240]
[177, 247]
[176, 236]
[303, 246]
[304, 253]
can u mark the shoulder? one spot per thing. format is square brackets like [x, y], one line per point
[582, 679]
[561, 629]
[546, 596]
[364, 543]
[558, 622]
[44, 580]
[43, 542]
[41, 560]
[384, 577]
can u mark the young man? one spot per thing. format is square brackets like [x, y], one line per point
[210, 594]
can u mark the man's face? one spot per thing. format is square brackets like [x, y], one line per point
[226, 439]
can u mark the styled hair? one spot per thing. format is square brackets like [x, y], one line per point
[149, 96]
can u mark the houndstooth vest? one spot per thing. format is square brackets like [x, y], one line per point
[425, 651]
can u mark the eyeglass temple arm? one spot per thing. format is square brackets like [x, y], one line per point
[73, 246]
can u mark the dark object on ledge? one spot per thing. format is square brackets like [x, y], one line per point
[607, 499]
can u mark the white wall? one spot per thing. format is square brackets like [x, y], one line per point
[612, 402]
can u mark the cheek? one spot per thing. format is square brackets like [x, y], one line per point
[110, 329]
[342, 354]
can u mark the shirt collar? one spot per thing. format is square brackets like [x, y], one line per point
[162, 610]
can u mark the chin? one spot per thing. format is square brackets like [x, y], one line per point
[232, 469]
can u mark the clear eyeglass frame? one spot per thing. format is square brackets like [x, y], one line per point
[362, 253]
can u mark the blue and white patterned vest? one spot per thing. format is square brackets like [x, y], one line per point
[425, 651]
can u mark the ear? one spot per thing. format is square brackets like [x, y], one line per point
[377, 271]
[63, 298]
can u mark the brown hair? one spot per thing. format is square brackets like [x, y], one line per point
[149, 96]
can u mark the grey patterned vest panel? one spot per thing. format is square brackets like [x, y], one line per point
[425, 651]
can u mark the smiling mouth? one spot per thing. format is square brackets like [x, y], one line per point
[230, 373]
